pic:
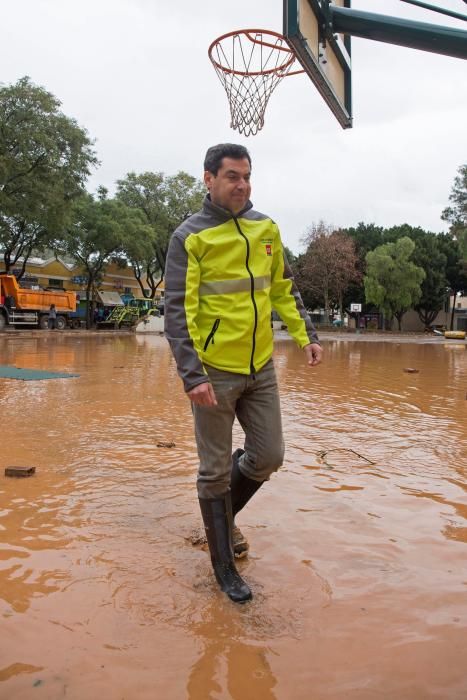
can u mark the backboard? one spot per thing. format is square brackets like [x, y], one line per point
[324, 56]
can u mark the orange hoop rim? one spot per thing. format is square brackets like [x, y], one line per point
[279, 70]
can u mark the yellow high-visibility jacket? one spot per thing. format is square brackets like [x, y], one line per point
[224, 275]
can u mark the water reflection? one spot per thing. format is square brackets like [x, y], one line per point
[227, 664]
[367, 515]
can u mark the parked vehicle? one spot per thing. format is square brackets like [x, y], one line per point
[144, 306]
[30, 307]
[120, 317]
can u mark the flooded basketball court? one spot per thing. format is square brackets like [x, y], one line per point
[358, 545]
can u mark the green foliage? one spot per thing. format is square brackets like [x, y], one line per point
[291, 257]
[456, 273]
[164, 201]
[45, 159]
[101, 231]
[456, 269]
[392, 281]
[429, 256]
[367, 237]
[415, 233]
[455, 245]
[456, 214]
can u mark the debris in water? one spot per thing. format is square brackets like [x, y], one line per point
[20, 471]
[411, 370]
[197, 537]
[322, 454]
[165, 444]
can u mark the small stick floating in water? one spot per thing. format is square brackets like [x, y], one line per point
[322, 454]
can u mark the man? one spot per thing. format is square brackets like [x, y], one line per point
[52, 317]
[225, 272]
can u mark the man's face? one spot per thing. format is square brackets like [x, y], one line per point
[231, 187]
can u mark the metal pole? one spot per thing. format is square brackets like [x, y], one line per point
[394, 30]
[441, 10]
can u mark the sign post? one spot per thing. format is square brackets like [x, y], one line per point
[356, 309]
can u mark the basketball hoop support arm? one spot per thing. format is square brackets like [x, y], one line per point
[435, 38]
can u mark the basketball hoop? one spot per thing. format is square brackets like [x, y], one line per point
[250, 63]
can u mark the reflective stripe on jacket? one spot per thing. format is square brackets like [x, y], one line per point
[223, 277]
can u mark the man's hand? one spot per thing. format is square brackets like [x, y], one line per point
[203, 395]
[314, 353]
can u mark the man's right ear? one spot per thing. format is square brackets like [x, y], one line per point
[208, 177]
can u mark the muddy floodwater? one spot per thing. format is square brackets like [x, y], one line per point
[358, 558]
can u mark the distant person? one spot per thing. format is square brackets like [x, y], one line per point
[226, 270]
[99, 314]
[52, 317]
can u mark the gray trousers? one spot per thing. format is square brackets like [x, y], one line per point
[254, 400]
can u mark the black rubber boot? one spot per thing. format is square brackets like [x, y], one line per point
[217, 518]
[241, 487]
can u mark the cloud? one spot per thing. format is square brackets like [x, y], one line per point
[136, 74]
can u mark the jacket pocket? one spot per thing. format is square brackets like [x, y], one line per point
[210, 338]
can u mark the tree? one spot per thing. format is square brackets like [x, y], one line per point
[457, 213]
[45, 159]
[329, 265]
[456, 247]
[311, 299]
[429, 256]
[98, 234]
[165, 202]
[291, 257]
[456, 270]
[392, 281]
[366, 237]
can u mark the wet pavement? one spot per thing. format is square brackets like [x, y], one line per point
[358, 544]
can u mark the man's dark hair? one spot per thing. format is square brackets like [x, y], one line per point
[215, 154]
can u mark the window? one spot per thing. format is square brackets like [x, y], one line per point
[127, 290]
[58, 284]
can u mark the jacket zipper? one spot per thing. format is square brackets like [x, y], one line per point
[252, 292]
[212, 333]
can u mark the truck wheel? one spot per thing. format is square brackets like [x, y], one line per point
[76, 323]
[2, 322]
[44, 322]
[60, 323]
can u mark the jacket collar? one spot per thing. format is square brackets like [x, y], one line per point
[221, 213]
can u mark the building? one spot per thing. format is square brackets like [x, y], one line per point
[56, 273]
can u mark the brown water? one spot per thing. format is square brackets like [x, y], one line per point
[358, 556]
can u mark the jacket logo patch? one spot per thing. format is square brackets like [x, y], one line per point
[268, 249]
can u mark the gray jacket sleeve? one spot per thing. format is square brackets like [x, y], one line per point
[189, 365]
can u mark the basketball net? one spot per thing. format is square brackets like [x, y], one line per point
[250, 63]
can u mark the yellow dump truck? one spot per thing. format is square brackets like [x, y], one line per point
[30, 307]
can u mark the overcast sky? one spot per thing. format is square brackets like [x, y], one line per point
[136, 75]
